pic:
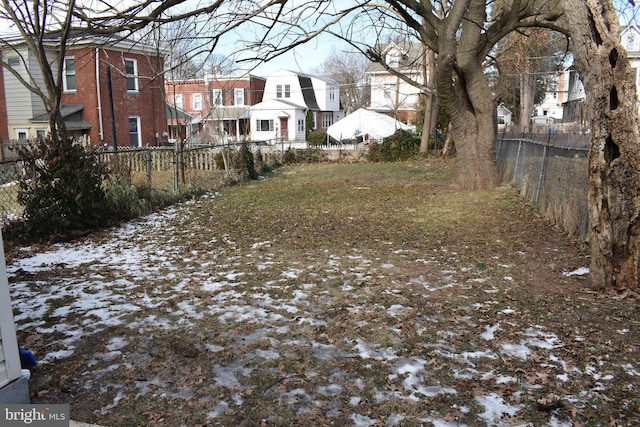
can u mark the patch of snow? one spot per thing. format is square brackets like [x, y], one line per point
[268, 354]
[219, 409]
[578, 272]
[516, 350]
[489, 332]
[496, 410]
[362, 420]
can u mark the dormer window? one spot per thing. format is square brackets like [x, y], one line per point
[393, 59]
[630, 42]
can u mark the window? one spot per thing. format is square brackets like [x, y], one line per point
[630, 42]
[216, 97]
[197, 102]
[314, 124]
[131, 72]
[264, 125]
[332, 93]
[287, 91]
[278, 91]
[238, 97]
[178, 100]
[300, 125]
[327, 119]
[388, 90]
[69, 74]
[134, 131]
[21, 133]
[14, 62]
[41, 134]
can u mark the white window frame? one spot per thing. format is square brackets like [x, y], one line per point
[300, 125]
[387, 89]
[332, 93]
[327, 119]
[278, 91]
[132, 77]
[197, 102]
[287, 91]
[270, 125]
[216, 97]
[137, 118]
[179, 101]
[23, 131]
[238, 96]
[66, 73]
[14, 62]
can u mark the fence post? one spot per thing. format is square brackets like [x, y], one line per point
[515, 167]
[148, 167]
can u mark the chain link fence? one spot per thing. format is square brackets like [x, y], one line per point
[550, 171]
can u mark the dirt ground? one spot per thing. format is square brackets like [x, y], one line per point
[364, 294]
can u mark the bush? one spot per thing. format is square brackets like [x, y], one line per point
[316, 138]
[63, 191]
[402, 145]
[127, 200]
[246, 162]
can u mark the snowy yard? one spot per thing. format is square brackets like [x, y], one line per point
[329, 295]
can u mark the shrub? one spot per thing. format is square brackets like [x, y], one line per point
[246, 162]
[63, 191]
[402, 145]
[316, 138]
[127, 200]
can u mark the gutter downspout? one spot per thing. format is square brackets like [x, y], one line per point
[98, 95]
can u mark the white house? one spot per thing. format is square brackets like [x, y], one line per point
[290, 100]
[390, 94]
[557, 94]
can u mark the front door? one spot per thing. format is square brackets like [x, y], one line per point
[284, 128]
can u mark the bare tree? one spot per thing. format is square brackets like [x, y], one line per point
[526, 59]
[348, 69]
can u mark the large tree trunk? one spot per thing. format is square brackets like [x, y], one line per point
[467, 98]
[614, 160]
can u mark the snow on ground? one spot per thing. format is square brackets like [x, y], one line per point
[139, 278]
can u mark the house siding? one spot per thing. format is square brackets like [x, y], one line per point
[21, 104]
[4, 128]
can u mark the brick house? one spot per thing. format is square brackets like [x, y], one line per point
[139, 115]
[219, 105]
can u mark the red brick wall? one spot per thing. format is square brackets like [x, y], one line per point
[187, 88]
[256, 90]
[148, 103]
[4, 126]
